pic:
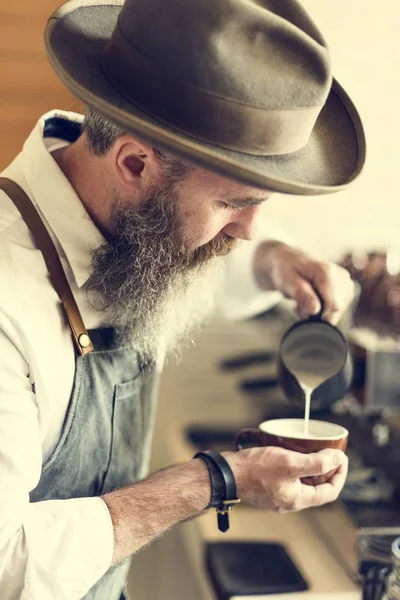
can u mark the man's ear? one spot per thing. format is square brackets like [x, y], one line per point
[134, 161]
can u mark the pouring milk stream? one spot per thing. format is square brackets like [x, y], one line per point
[308, 382]
[312, 364]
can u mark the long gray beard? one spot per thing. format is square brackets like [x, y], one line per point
[153, 291]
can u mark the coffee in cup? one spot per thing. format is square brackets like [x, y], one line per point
[289, 434]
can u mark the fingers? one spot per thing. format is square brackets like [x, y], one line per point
[332, 282]
[316, 463]
[319, 276]
[271, 477]
[298, 276]
[335, 287]
[303, 290]
[305, 297]
[324, 283]
[326, 492]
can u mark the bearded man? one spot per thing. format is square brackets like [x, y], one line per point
[116, 234]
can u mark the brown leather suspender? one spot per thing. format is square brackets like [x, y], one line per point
[52, 260]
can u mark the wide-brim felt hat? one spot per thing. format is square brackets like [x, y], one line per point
[240, 87]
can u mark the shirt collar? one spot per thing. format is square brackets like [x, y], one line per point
[58, 202]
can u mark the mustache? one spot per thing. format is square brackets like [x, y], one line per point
[217, 247]
[158, 220]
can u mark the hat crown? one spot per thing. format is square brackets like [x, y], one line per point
[236, 86]
[263, 53]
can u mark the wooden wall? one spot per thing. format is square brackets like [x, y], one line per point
[28, 85]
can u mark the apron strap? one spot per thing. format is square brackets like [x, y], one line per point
[45, 244]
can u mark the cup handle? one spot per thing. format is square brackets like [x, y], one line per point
[318, 316]
[249, 432]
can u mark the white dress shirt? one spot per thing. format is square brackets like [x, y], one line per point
[56, 550]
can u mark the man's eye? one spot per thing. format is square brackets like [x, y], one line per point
[226, 206]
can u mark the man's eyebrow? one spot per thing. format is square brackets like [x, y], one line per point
[246, 202]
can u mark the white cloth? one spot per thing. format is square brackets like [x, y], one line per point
[55, 549]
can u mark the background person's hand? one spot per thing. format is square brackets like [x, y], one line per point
[271, 477]
[296, 275]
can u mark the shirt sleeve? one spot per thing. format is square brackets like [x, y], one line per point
[51, 549]
[241, 297]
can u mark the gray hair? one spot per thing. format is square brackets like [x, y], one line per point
[101, 136]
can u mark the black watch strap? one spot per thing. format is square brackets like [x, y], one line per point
[218, 487]
[223, 486]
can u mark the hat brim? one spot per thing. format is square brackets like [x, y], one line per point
[75, 37]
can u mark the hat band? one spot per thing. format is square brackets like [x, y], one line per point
[209, 118]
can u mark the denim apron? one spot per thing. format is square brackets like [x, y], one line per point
[106, 436]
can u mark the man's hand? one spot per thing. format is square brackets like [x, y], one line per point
[272, 478]
[296, 275]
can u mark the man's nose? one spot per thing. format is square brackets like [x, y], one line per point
[243, 224]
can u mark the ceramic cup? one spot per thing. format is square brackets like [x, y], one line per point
[289, 434]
